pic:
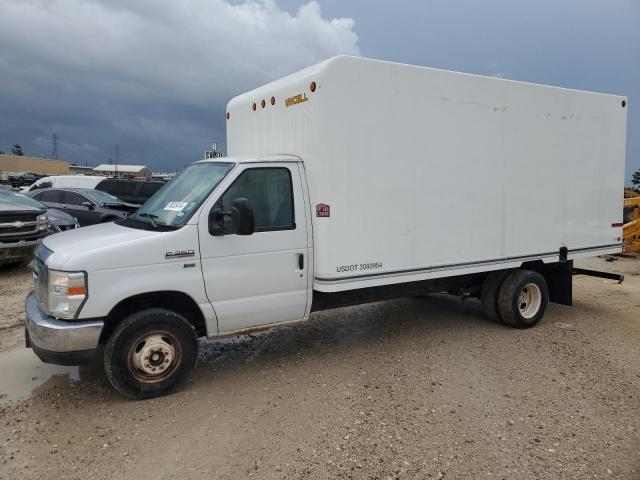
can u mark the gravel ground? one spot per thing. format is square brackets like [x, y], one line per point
[411, 389]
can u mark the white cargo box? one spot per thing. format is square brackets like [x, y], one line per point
[416, 173]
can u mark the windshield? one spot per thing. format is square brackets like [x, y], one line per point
[174, 203]
[102, 197]
[18, 199]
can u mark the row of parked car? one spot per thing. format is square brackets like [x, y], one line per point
[58, 203]
[126, 189]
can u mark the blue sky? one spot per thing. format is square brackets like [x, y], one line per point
[155, 77]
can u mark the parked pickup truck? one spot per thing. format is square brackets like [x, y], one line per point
[342, 186]
[23, 223]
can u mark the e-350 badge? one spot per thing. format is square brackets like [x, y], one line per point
[179, 254]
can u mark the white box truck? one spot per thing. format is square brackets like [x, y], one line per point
[349, 182]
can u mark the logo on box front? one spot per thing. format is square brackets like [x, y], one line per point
[296, 99]
[323, 210]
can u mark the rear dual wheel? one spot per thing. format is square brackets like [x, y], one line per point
[518, 298]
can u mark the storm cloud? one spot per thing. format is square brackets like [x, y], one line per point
[153, 77]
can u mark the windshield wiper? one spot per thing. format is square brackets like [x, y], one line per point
[151, 217]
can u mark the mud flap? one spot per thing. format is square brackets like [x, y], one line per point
[558, 277]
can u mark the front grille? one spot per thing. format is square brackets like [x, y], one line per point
[18, 224]
[18, 230]
[18, 217]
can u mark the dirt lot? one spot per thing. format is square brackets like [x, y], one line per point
[415, 388]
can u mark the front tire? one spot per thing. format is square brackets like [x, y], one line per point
[523, 298]
[151, 353]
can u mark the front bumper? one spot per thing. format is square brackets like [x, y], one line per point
[15, 251]
[59, 341]
[20, 243]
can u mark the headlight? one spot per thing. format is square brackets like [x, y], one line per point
[43, 222]
[66, 293]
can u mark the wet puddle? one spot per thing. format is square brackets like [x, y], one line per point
[21, 373]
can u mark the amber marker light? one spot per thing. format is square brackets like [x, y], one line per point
[228, 115]
[273, 100]
[312, 86]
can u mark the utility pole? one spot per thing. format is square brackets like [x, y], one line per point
[54, 146]
[115, 171]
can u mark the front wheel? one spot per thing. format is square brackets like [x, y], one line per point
[150, 353]
[523, 298]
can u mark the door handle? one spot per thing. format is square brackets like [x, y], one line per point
[301, 261]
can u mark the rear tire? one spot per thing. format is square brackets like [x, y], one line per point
[489, 294]
[151, 353]
[523, 298]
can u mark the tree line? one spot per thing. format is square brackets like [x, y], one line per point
[15, 150]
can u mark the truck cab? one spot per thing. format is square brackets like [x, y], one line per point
[223, 249]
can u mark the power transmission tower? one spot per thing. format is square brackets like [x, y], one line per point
[54, 146]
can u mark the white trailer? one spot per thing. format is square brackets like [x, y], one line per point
[349, 182]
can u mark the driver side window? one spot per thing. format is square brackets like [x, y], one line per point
[73, 198]
[270, 194]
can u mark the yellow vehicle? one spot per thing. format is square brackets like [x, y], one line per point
[631, 227]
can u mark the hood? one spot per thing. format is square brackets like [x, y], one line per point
[112, 246]
[14, 207]
[58, 217]
[14, 202]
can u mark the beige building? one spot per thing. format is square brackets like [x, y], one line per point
[81, 169]
[42, 166]
[131, 171]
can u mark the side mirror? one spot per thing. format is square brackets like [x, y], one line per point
[242, 217]
[89, 205]
[216, 221]
[242, 220]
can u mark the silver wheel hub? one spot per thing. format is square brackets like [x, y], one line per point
[530, 300]
[154, 355]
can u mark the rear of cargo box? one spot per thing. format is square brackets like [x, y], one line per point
[416, 173]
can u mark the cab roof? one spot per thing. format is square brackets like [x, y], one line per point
[253, 159]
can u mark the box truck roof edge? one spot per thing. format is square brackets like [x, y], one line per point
[267, 89]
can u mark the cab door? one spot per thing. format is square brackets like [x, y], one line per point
[258, 279]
